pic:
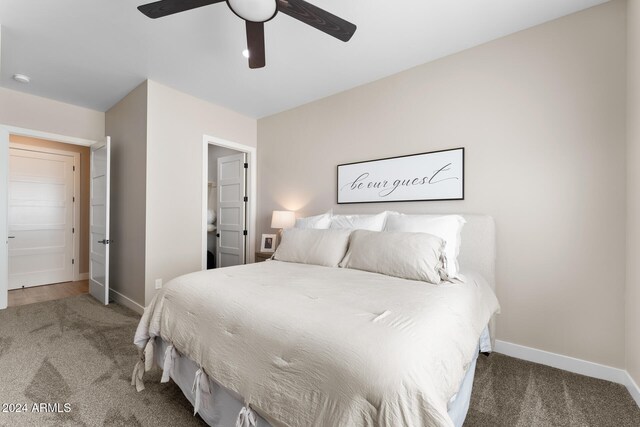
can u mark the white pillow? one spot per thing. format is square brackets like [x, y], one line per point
[309, 246]
[359, 222]
[321, 222]
[412, 256]
[447, 227]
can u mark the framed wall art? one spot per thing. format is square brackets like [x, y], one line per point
[437, 175]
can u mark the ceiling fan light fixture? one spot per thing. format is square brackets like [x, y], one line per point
[253, 10]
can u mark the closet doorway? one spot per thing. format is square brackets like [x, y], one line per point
[229, 204]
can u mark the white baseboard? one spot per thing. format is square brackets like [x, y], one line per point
[571, 364]
[126, 301]
[633, 389]
[83, 276]
[566, 363]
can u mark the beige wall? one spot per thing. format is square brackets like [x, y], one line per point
[542, 116]
[84, 188]
[126, 123]
[176, 125]
[633, 192]
[157, 158]
[42, 114]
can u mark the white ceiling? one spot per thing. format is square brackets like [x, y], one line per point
[93, 52]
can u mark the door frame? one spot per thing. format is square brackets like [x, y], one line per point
[252, 191]
[4, 190]
[76, 195]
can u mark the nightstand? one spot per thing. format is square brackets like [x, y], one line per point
[263, 256]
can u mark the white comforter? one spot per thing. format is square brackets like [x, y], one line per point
[316, 346]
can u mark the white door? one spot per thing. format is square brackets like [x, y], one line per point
[41, 197]
[232, 185]
[99, 222]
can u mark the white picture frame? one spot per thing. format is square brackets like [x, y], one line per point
[268, 243]
[432, 176]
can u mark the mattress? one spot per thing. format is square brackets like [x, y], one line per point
[307, 345]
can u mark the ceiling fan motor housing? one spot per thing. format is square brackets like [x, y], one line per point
[253, 10]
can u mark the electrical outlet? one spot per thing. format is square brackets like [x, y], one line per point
[158, 283]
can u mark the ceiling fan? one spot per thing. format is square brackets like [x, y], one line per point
[256, 13]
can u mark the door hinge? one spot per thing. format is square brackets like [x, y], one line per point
[246, 199]
[73, 261]
[73, 230]
[74, 168]
[244, 233]
[246, 165]
[74, 199]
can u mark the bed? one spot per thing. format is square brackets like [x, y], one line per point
[276, 343]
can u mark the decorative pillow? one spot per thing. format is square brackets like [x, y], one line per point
[321, 222]
[447, 227]
[309, 246]
[359, 222]
[412, 256]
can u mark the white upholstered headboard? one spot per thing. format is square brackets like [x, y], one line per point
[478, 247]
[478, 253]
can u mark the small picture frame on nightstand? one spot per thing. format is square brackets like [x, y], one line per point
[268, 243]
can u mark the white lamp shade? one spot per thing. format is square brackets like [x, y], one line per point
[283, 219]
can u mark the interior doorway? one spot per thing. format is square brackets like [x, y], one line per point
[47, 218]
[228, 203]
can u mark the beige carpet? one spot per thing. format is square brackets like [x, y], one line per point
[512, 392]
[78, 352]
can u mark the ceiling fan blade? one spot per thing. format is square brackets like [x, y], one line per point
[162, 8]
[318, 18]
[255, 44]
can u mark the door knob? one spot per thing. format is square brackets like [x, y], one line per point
[105, 241]
[12, 237]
